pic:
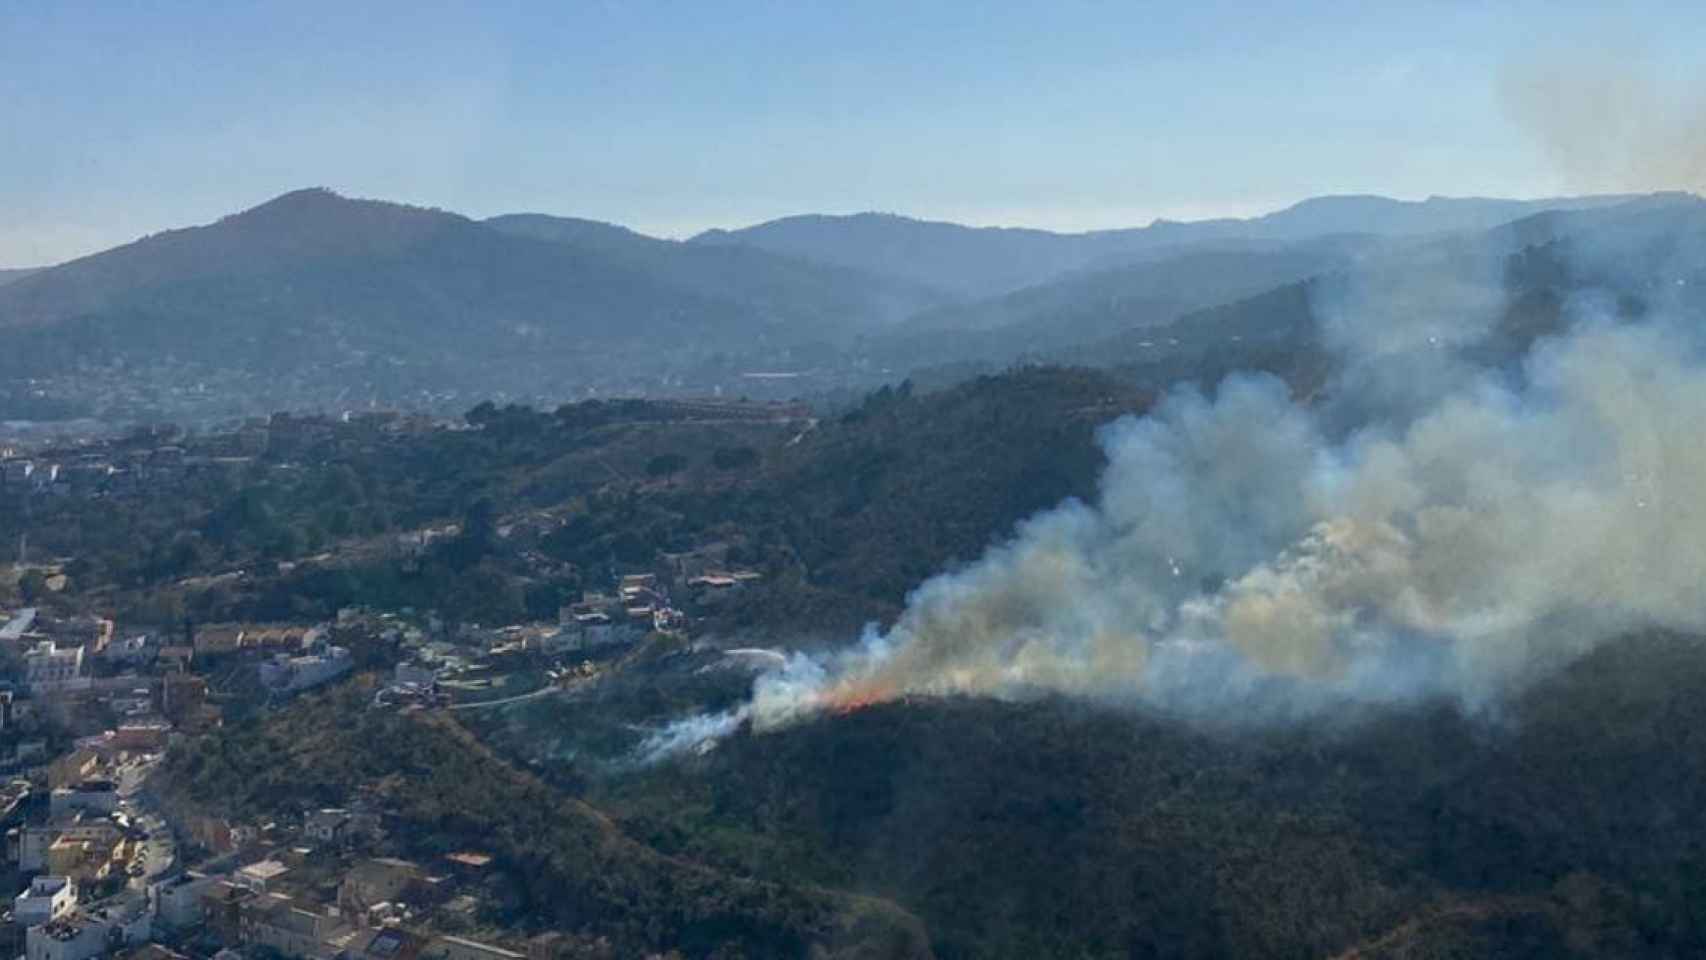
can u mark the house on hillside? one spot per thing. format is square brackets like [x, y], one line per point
[329, 826]
[277, 922]
[375, 881]
[48, 666]
[91, 932]
[178, 902]
[285, 674]
[262, 877]
[222, 910]
[46, 899]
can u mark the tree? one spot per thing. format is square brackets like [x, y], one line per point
[665, 464]
[734, 458]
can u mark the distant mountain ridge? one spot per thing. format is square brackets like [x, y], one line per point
[990, 261]
[312, 298]
[770, 281]
[8, 275]
[314, 301]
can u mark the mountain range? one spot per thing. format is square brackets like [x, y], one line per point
[314, 300]
[976, 262]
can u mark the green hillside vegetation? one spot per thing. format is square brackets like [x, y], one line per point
[574, 870]
[1569, 825]
[346, 497]
[843, 518]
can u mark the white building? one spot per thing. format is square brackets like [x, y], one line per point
[48, 667]
[278, 923]
[588, 631]
[330, 825]
[20, 624]
[34, 840]
[418, 674]
[46, 900]
[177, 902]
[90, 933]
[72, 937]
[260, 876]
[287, 674]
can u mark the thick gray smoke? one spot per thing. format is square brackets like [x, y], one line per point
[1480, 526]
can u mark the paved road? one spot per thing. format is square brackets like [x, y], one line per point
[544, 691]
[160, 850]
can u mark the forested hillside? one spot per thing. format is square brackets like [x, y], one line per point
[1566, 826]
[573, 870]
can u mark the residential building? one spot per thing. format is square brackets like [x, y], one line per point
[35, 841]
[589, 631]
[72, 937]
[92, 932]
[90, 796]
[175, 657]
[147, 736]
[222, 910]
[74, 767]
[287, 674]
[215, 639]
[384, 943]
[469, 864]
[50, 667]
[261, 877]
[46, 899]
[275, 921]
[415, 674]
[83, 860]
[182, 696]
[327, 826]
[150, 951]
[14, 629]
[178, 902]
[136, 651]
[17, 474]
[374, 881]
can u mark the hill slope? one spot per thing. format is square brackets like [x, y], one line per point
[1573, 829]
[318, 295]
[1091, 305]
[831, 300]
[572, 868]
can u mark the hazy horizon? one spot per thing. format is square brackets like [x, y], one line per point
[685, 234]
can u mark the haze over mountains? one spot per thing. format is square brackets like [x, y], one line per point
[988, 261]
[313, 300]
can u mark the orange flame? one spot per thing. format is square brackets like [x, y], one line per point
[851, 695]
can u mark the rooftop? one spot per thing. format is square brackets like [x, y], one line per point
[263, 870]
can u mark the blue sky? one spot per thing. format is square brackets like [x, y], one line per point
[118, 119]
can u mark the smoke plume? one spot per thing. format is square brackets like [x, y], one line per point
[1609, 122]
[1246, 553]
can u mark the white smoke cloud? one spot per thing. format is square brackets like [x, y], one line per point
[1501, 534]
[1241, 555]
